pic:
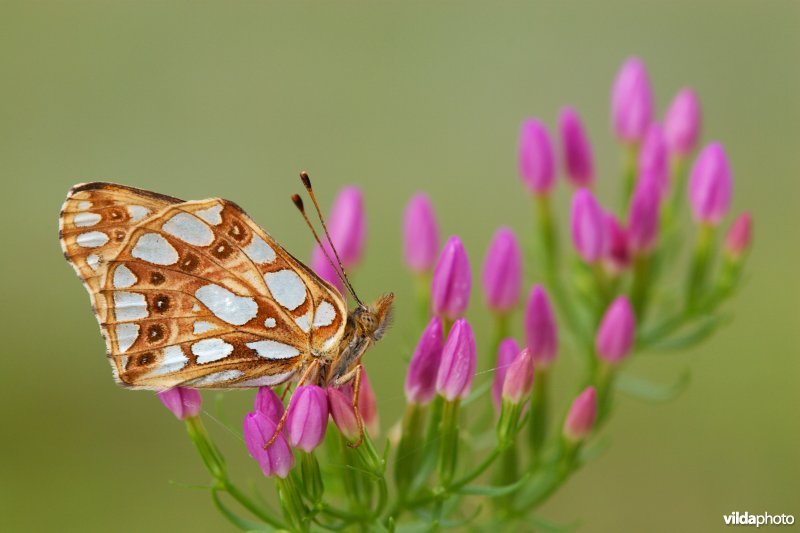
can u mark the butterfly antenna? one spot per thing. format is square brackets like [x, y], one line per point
[298, 202]
[307, 184]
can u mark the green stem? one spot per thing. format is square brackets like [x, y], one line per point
[292, 504]
[548, 237]
[251, 506]
[629, 164]
[448, 449]
[422, 284]
[539, 415]
[640, 285]
[701, 261]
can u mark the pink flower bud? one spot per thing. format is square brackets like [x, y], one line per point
[507, 351]
[268, 403]
[581, 417]
[653, 158]
[421, 378]
[276, 460]
[740, 236]
[682, 123]
[502, 272]
[615, 336]
[711, 185]
[535, 157]
[519, 378]
[618, 255]
[183, 402]
[541, 333]
[307, 418]
[577, 151]
[348, 225]
[344, 416]
[452, 281]
[324, 269]
[420, 234]
[643, 216]
[459, 357]
[631, 101]
[588, 226]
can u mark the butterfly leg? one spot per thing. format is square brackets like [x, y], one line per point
[355, 375]
[282, 422]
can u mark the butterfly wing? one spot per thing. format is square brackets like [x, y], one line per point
[196, 294]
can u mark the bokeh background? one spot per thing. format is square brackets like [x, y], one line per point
[231, 99]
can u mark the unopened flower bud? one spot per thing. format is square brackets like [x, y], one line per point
[307, 418]
[343, 414]
[535, 157]
[502, 272]
[507, 351]
[577, 151]
[631, 101]
[711, 185]
[518, 382]
[459, 357]
[421, 379]
[581, 417]
[452, 281]
[615, 336]
[181, 401]
[588, 226]
[682, 123]
[541, 331]
[277, 459]
[739, 236]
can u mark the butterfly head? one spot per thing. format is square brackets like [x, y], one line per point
[374, 319]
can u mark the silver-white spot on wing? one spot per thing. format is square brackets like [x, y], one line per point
[201, 326]
[211, 214]
[270, 322]
[286, 287]
[304, 322]
[91, 239]
[137, 212]
[216, 377]
[154, 248]
[123, 277]
[233, 309]
[84, 205]
[93, 260]
[266, 381]
[273, 349]
[190, 229]
[84, 220]
[324, 315]
[259, 251]
[208, 350]
[129, 306]
[173, 360]
[126, 336]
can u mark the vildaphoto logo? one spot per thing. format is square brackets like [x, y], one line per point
[765, 519]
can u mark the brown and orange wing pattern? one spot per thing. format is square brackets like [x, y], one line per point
[196, 294]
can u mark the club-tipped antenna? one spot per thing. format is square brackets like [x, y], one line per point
[310, 190]
[298, 202]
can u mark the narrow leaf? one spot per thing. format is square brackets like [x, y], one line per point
[493, 492]
[644, 389]
[233, 518]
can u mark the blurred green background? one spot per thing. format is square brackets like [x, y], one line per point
[231, 99]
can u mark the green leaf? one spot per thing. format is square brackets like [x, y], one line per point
[493, 492]
[233, 518]
[692, 335]
[595, 448]
[644, 389]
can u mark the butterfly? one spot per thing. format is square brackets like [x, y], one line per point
[195, 294]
